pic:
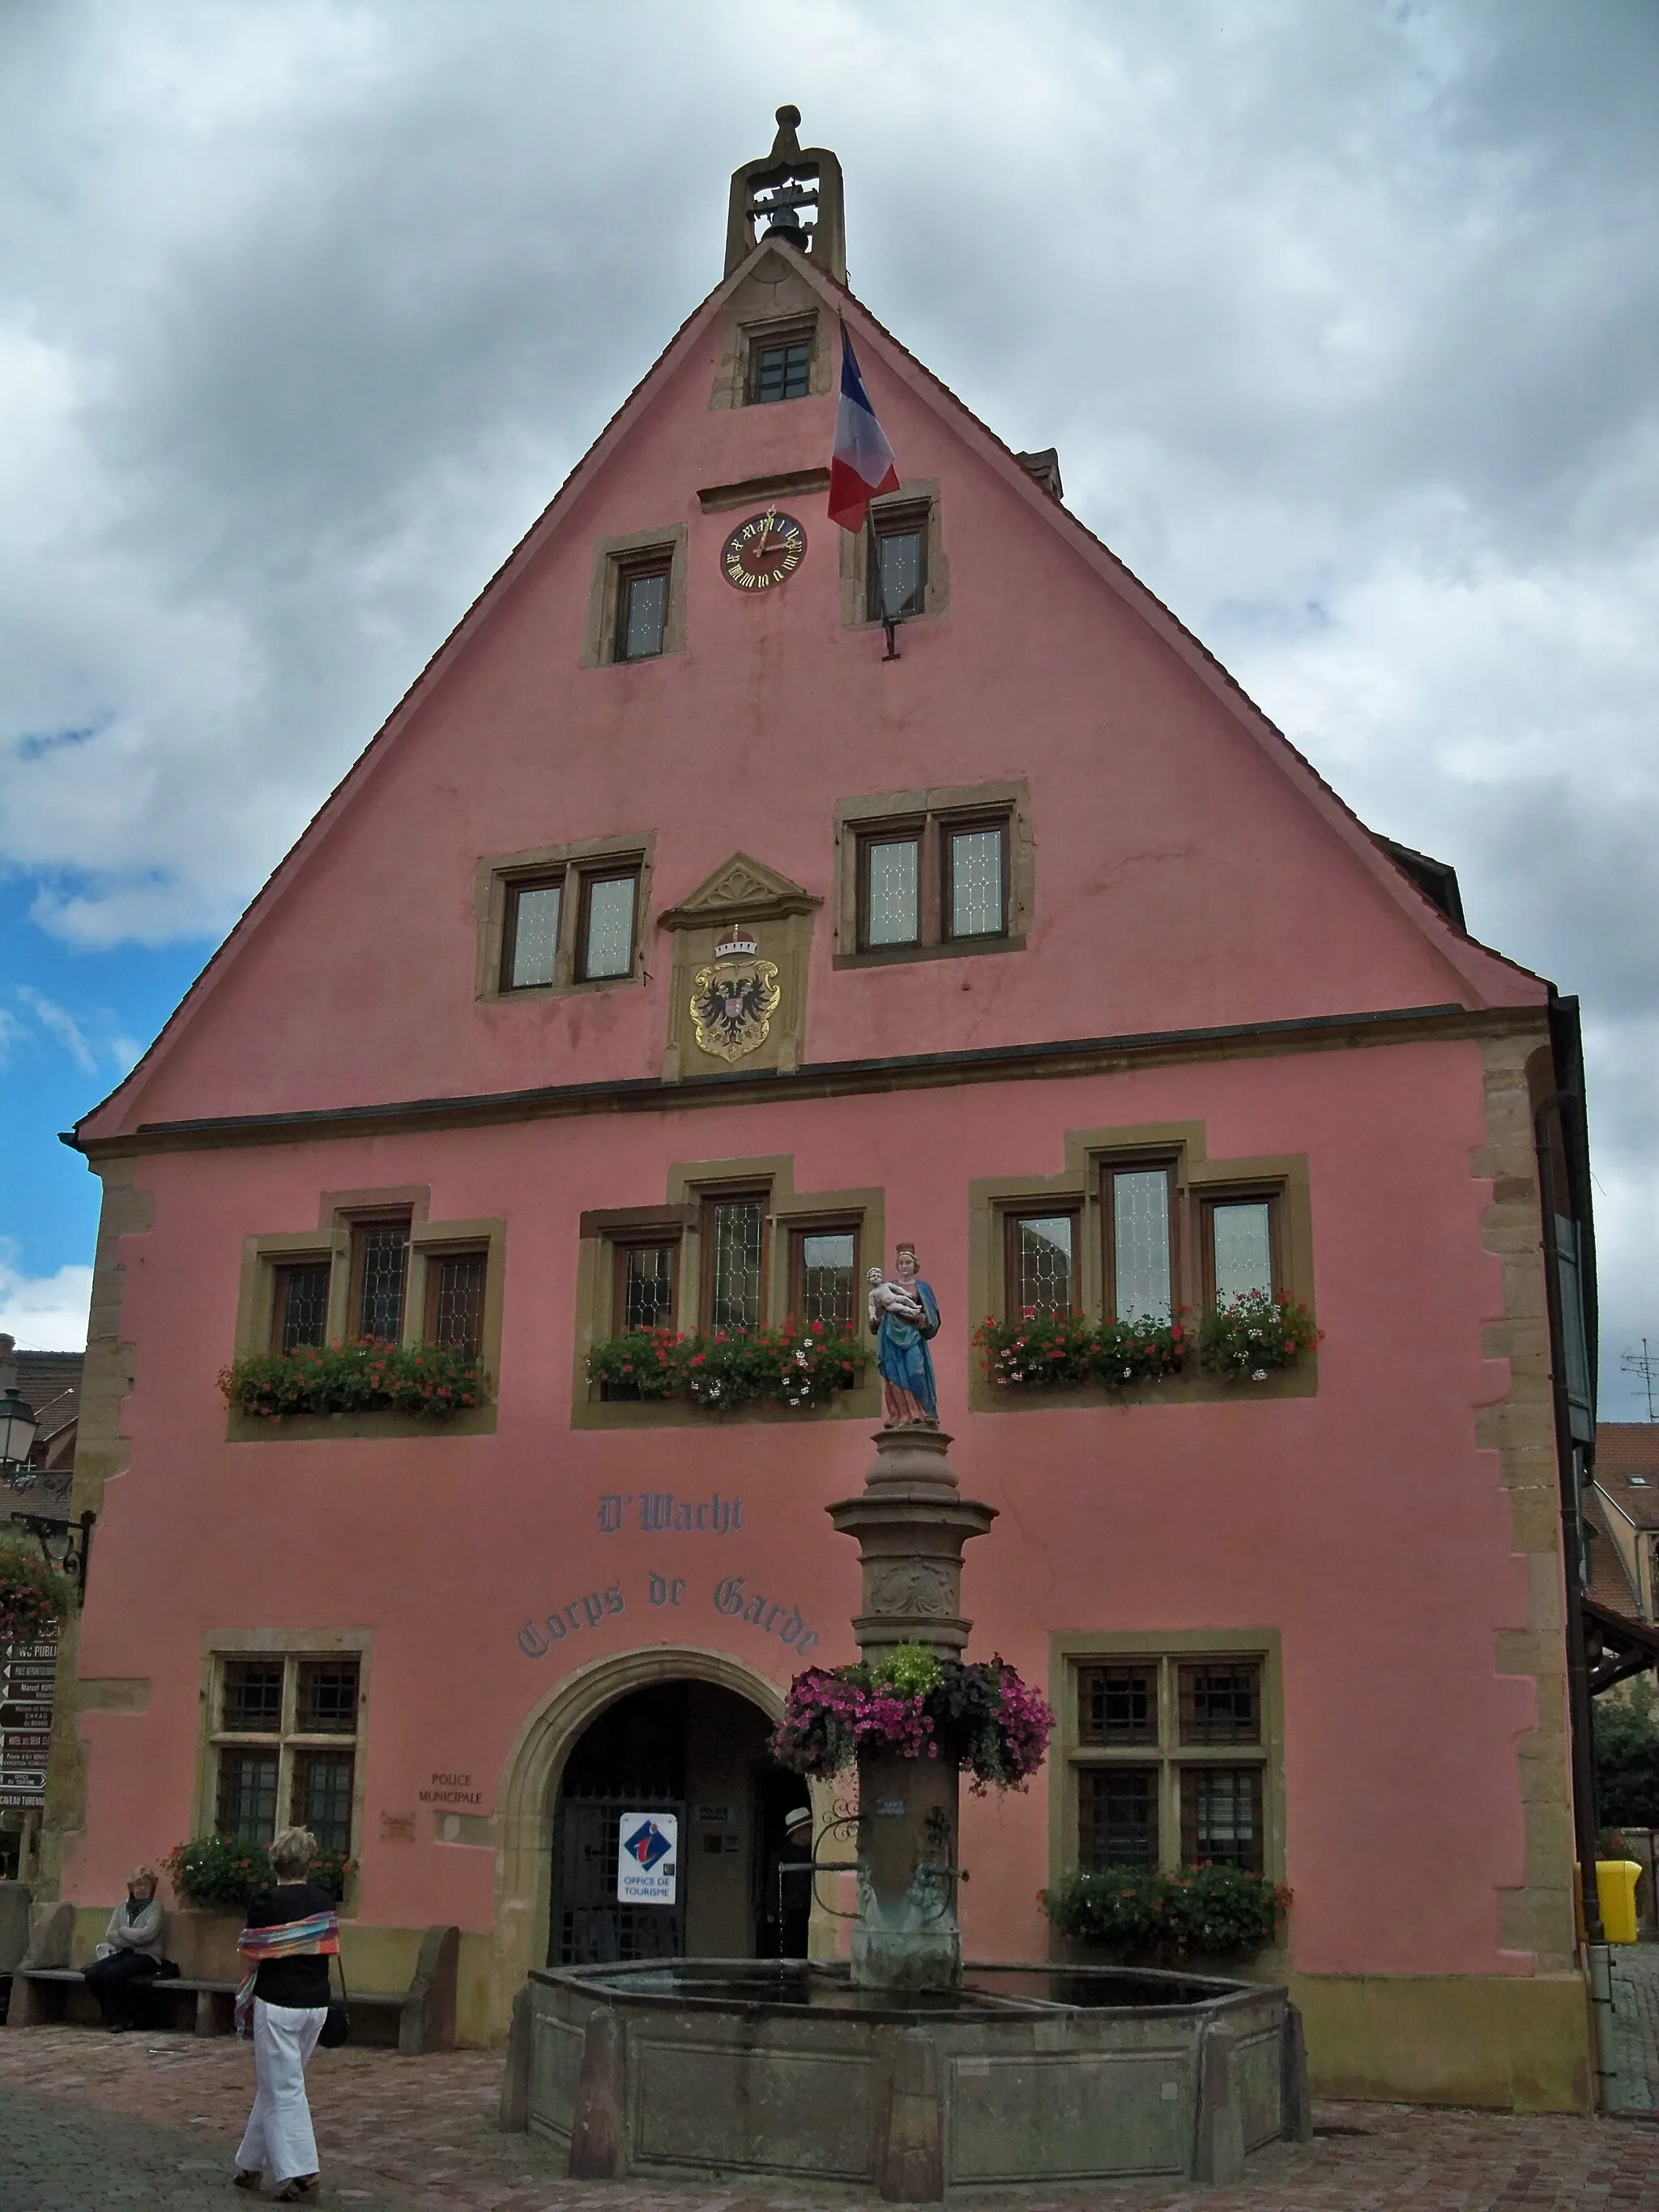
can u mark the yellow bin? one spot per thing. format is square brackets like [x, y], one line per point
[1615, 1890]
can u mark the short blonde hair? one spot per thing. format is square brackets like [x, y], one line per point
[142, 1875]
[293, 1851]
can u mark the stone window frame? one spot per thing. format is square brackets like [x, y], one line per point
[289, 1645]
[933, 813]
[1078, 1189]
[496, 874]
[614, 557]
[331, 1241]
[690, 1186]
[743, 335]
[1072, 1649]
[855, 558]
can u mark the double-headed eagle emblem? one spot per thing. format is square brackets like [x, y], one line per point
[734, 998]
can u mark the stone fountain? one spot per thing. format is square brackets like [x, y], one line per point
[904, 2069]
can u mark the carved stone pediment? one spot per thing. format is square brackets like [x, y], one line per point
[741, 889]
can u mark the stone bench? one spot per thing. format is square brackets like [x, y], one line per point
[47, 1990]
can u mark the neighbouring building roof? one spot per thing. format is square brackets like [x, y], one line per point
[1627, 1468]
[1607, 1582]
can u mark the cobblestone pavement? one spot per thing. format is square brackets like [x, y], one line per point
[1635, 2015]
[149, 2122]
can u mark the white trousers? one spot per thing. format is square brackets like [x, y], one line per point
[278, 2133]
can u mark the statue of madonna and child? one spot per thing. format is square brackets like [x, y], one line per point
[904, 1315]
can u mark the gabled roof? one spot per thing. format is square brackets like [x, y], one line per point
[1487, 978]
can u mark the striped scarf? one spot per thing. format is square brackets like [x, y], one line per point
[318, 1937]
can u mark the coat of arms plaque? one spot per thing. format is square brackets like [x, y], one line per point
[734, 998]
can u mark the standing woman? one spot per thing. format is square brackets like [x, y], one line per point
[290, 1936]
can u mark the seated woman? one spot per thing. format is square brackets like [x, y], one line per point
[130, 1951]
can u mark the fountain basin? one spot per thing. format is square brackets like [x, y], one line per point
[702, 2068]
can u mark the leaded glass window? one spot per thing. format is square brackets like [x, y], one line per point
[1221, 1816]
[1117, 1816]
[1221, 1701]
[1241, 1231]
[1141, 1288]
[892, 891]
[738, 1230]
[642, 612]
[382, 1274]
[898, 575]
[306, 1714]
[647, 1286]
[827, 1289]
[1117, 1703]
[246, 1807]
[302, 1304]
[252, 1703]
[1041, 1262]
[327, 1704]
[1169, 1759]
[322, 1796]
[608, 936]
[532, 934]
[456, 1281]
[977, 891]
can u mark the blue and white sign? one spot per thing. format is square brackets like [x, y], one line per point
[647, 1858]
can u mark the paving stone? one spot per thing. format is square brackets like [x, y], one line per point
[87, 2121]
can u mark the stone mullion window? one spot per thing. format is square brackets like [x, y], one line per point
[1169, 1756]
[266, 1777]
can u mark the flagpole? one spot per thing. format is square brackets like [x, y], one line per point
[872, 552]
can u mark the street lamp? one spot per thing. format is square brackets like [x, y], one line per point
[64, 1544]
[18, 1429]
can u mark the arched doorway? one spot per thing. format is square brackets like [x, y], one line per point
[694, 1749]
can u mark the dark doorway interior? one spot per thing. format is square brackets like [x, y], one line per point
[699, 1753]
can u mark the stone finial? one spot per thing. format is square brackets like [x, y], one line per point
[785, 147]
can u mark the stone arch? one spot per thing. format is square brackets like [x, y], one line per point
[530, 1782]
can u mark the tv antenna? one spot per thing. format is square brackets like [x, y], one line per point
[1645, 1364]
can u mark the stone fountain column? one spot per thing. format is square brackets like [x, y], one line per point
[911, 1523]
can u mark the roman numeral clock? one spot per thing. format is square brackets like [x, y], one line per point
[765, 551]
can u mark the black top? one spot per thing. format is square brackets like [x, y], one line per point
[301, 1983]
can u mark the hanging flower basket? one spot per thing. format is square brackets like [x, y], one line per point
[435, 1380]
[788, 1366]
[980, 1717]
[1244, 1340]
[34, 1598]
[1042, 1351]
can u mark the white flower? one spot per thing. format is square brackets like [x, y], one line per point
[1260, 1376]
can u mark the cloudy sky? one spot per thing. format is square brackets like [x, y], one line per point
[1342, 313]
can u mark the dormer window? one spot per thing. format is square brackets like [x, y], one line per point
[781, 365]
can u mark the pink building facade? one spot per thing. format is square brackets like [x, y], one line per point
[1069, 970]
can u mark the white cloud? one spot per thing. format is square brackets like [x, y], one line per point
[60, 1025]
[1343, 320]
[45, 1313]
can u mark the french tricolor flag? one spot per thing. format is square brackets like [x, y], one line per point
[861, 465]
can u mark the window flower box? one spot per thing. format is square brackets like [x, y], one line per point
[1045, 1352]
[435, 1380]
[980, 1717]
[1135, 1916]
[1244, 1340]
[787, 1366]
[211, 1873]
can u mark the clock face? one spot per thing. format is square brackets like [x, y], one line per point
[767, 549]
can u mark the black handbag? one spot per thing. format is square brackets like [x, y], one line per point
[337, 2026]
